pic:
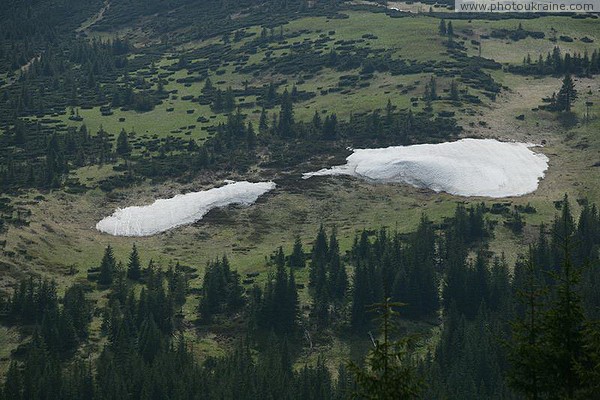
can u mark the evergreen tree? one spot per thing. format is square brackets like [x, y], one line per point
[107, 267]
[431, 90]
[263, 124]
[55, 162]
[563, 325]
[442, 28]
[297, 258]
[316, 121]
[388, 373]
[221, 290]
[134, 269]
[286, 116]
[319, 259]
[337, 277]
[526, 344]
[454, 94]
[229, 100]
[566, 95]
[123, 146]
[330, 127]
[450, 30]
[77, 310]
[361, 298]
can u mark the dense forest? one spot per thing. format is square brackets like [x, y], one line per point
[531, 332]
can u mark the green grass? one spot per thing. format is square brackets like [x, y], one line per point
[412, 38]
[156, 122]
[508, 51]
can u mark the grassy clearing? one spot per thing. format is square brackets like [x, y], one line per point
[413, 38]
[383, 87]
[156, 122]
[508, 51]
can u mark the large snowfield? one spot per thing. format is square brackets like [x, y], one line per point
[467, 167]
[182, 209]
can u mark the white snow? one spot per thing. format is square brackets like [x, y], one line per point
[467, 167]
[182, 209]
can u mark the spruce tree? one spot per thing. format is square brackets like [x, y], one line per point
[388, 373]
[263, 123]
[107, 267]
[564, 325]
[123, 146]
[134, 271]
[317, 122]
[297, 258]
[566, 95]
[286, 116]
[442, 28]
[361, 298]
[526, 346]
[431, 93]
[318, 258]
[450, 30]
[454, 94]
[55, 162]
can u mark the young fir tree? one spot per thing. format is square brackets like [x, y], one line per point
[263, 122]
[442, 28]
[361, 298]
[55, 162]
[123, 146]
[318, 259]
[553, 348]
[564, 326]
[566, 95]
[134, 269]
[297, 258]
[454, 94]
[286, 116]
[330, 127]
[107, 267]
[388, 373]
[337, 276]
[317, 122]
[431, 90]
[526, 345]
[250, 135]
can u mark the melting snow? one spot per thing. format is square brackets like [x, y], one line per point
[182, 209]
[468, 167]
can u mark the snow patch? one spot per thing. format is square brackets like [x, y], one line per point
[467, 167]
[182, 209]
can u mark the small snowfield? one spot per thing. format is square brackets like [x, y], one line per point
[165, 214]
[467, 167]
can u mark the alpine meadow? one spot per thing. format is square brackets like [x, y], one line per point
[298, 200]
